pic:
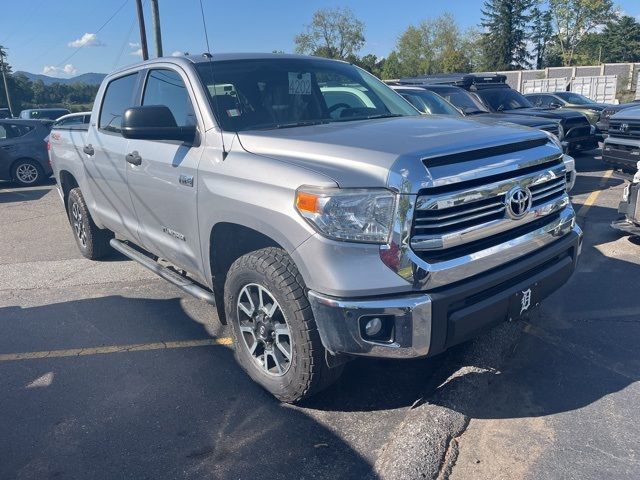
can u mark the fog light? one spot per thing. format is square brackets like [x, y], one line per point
[373, 327]
[377, 328]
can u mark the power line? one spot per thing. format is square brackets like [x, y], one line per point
[97, 31]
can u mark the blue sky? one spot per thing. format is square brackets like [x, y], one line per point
[42, 35]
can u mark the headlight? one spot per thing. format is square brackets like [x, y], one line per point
[354, 215]
[554, 139]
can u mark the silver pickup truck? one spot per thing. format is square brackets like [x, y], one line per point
[316, 209]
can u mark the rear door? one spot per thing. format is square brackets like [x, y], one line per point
[164, 186]
[105, 164]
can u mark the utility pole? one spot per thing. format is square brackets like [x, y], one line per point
[155, 19]
[4, 79]
[143, 32]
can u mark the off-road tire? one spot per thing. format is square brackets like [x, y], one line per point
[96, 240]
[308, 372]
[34, 168]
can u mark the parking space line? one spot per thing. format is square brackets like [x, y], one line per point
[593, 196]
[137, 347]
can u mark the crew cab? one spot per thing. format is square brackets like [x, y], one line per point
[318, 229]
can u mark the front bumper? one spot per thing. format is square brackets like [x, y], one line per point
[630, 208]
[428, 323]
[621, 153]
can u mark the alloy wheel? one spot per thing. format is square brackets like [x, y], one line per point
[264, 330]
[26, 173]
[78, 224]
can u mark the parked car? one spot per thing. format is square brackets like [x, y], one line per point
[428, 102]
[5, 113]
[23, 151]
[572, 101]
[80, 118]
[319, 232]
[629, 208]
[471, 107]
[498, 97]
[621, 148]
[43, 113]
[603, 123]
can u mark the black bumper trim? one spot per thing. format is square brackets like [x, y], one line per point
[461, 312]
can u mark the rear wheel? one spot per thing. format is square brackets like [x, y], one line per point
[275, 335]
[92, 241]
[27, 172]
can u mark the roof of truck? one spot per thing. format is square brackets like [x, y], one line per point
[220, 57]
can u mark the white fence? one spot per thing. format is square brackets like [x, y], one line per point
[544, 85]
[601, 88]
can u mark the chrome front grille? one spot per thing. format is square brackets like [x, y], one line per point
[455, 218]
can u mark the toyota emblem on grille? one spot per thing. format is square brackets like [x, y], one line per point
[518, 202]
[624, 127]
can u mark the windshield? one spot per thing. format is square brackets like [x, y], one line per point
[500, 99]
[428, 102]
[574, 98]
[283, 93]
[461, 99]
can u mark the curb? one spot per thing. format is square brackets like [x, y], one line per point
[425, 444]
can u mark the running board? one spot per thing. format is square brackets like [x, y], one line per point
[179, 281]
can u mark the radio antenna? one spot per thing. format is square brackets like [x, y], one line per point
[214, 96]
[204, 25]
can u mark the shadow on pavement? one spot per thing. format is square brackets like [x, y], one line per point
[591, 184]
[23, 195]
[580, 347]
[187, 413]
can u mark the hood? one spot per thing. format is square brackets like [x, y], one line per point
[361, 153]
[628, 114]
[525, 120]
[597, 107]
[546, 113]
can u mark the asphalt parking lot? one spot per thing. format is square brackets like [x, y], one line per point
[110, 372]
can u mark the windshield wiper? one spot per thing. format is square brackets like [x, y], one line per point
[384, 115]
[306, 123]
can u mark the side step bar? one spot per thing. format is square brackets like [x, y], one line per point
[179, 281]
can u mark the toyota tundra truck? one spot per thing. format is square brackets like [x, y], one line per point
[320, 226]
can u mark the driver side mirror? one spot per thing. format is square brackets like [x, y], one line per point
[154, 122]
[555, 105]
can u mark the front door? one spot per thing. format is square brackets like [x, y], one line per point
[104, 160]
[164, 186]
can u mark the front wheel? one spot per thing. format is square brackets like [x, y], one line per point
[276, 339]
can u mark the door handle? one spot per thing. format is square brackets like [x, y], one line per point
[88, 149]
[133, 158]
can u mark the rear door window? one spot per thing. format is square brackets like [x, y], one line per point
[117, 98]
[166, 87]
[12, 130]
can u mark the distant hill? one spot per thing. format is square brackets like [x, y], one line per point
[88, 78]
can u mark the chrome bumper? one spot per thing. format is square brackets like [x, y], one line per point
[427, 323]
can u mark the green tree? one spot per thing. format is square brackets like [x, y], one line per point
[504, 41]
[574, 20]
[541, 33]
[622, 40]
[333, 33]
[434, 46]
[391, 68]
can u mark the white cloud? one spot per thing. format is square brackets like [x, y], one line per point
[136, 53]
[87, 40]
[177, 54]
[68, 69]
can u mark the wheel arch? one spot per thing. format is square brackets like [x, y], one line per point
[67, 182]
[228, 242]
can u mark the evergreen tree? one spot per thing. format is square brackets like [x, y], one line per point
[504, 40]
[541, 33]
